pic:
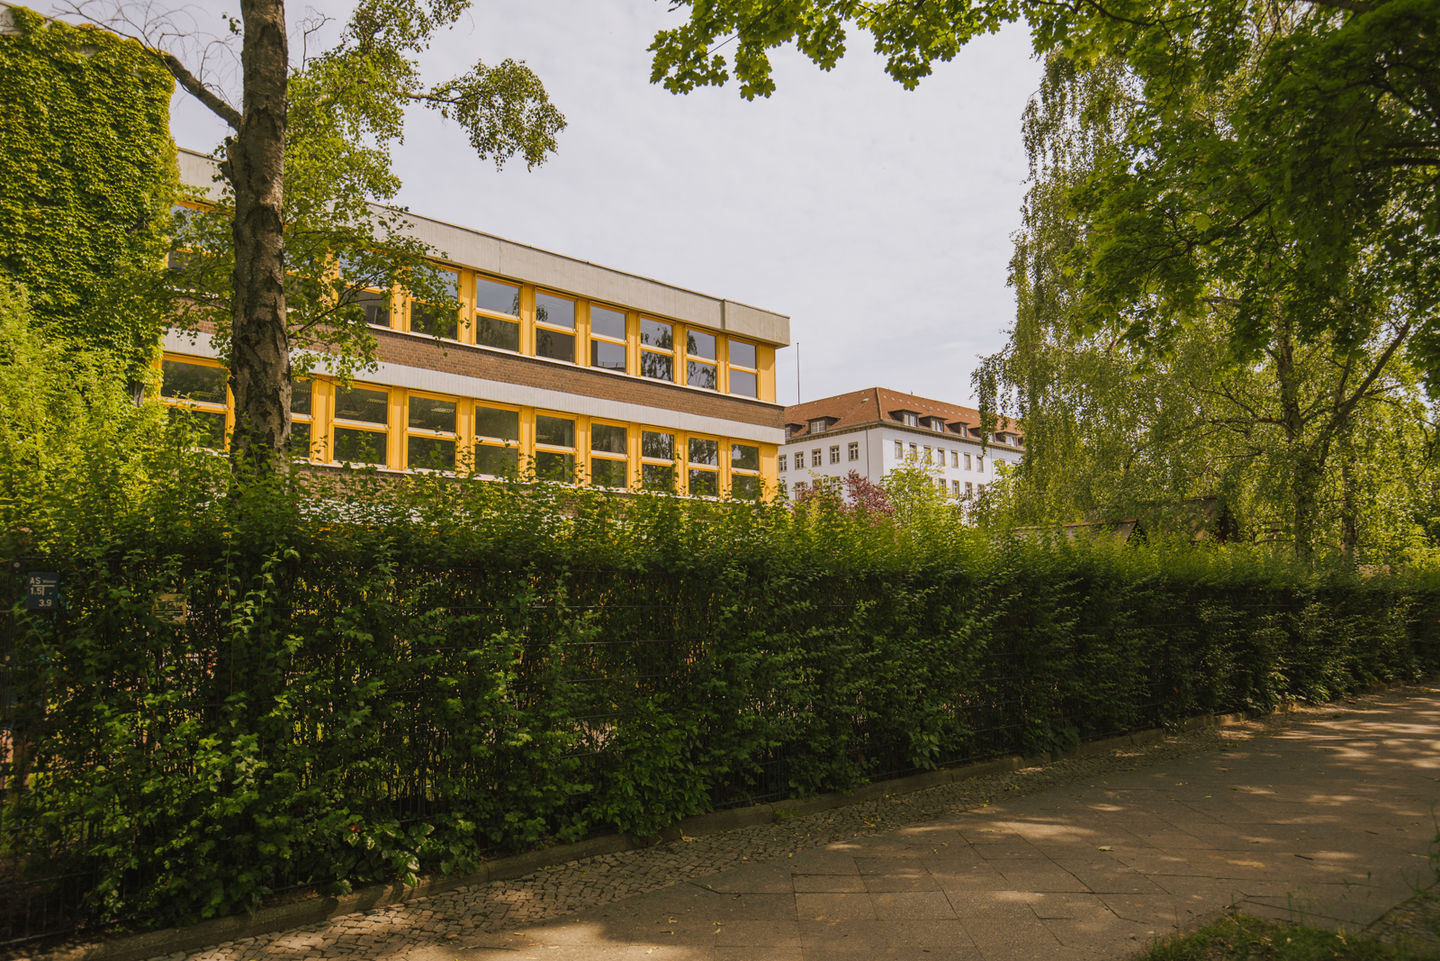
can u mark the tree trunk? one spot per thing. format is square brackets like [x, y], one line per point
[255, 166]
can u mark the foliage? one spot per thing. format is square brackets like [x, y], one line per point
[337, 681]
[86, 175]
[1240, 937]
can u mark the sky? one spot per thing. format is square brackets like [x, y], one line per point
[877, 219]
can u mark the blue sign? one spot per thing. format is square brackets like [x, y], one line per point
[42, 591]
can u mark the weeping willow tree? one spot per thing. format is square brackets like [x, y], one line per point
[1172, 346]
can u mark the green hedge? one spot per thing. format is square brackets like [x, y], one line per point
[357, 694]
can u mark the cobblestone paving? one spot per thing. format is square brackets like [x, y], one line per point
[465, 916]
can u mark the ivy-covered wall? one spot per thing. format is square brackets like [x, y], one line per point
[87, 176]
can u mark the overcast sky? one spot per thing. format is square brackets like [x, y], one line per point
[878, 219]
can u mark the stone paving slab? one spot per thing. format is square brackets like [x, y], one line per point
[1324, 815]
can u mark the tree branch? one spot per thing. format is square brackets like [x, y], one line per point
[198, 90]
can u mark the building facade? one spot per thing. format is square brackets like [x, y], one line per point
[554, 365]
[875, 431]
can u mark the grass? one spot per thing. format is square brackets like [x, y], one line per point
[1243, 938]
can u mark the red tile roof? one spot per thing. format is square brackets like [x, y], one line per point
[878, 405]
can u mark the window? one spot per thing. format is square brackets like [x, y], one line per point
[815, 460]
[361, 430]
[968, 465]
[195, 393]
[914, 450]
[899, 451]
[782, 462]
[956, 488]
[980, 463]
[969, 489]
[835, 454]
[609, 455]
[607, 338]
[438, 320]
[745, 472]
[954, 458]
[799, 487]
[430, 433]
[554, 326]
[657, 461]
[744, 369]
[854, 450]
[302, 420]
[497, 314]
[497, 441]
[818, 425]
[704, 464]
[701, 369]
[925, 457]
[554, 448]
[358, 289]
[941, 482]
[908, 419]
[657, 349]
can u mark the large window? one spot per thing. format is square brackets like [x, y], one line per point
[704, 465]
[607, 338]
[701, 368]
[744, 370]
[554, 326]
[497, 314]
[360, 291]
[745, 472]
[431, 438]
[497, 441]
[609, 455]
[361, 430]
[657, 349]
[438, 320]
[195, 392]
[554, 447]
[302, 418]
[657, 460]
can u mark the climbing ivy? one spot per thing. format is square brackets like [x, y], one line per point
[87, 176]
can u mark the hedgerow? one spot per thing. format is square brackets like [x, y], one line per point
[338, 682]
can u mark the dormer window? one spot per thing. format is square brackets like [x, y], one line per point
[819, 424]
[909, 418]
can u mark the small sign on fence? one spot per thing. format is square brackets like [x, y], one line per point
[42, 591]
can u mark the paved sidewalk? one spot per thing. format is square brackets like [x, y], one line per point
[1326, 814]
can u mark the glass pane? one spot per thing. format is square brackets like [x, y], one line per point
[700, 374]
[608, 473]
[493, 332]
[496, 461]
[704, 483]
[607, 322]
[430, 413]
[555, 345]
[745, 487]
[657, 445]
[496, 423]
[554, 431]
[358, 403]
[207, 428]
[609, 356]
[744, 457]
[554, 310]
[698, 344]
[743, 383]
[704, 451]
[193, 381]
[425, 319]
[657, 334]
[299, 439]
[359, 446]
[657, 477]
[430, 453]
[657, 366]
[495, 296]
[375, 306]
[300, 391]
[445, 280]
[607, 438]
[742, 354]
[555, 467]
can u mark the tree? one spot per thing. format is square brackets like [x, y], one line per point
[1337, 135]
[307, 154]
[1152, 360]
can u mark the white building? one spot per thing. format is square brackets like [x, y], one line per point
[874, 431]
